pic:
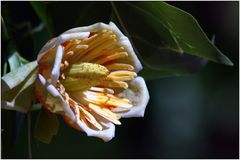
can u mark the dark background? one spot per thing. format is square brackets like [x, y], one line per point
[193, 116]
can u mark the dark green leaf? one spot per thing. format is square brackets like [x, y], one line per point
[151, 74]
[46, 126]
[39, 36]
[166, 37]
[168, 40]
[59, 17]
[166, 62]
[41, 10]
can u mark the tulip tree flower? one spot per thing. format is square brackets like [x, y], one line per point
[89, 76]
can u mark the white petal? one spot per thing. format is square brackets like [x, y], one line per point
[138, 94]
[117, 30]
[54, 92]
[106, 134]
[92, 28]
[16, 77]
[124, 41]
[132, 58]
[57, 64]
[60, 39]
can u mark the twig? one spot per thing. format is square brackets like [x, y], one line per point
[29, 135]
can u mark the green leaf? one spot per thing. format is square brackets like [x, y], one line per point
[151, 74]
[168, 40]
[46, 126]
[166, 62]
[17, 88]
[165, 37]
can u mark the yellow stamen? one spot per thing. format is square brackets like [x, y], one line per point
[95, 97]
[98, 40]
[78, 51]
[90, 118]
[97, 51]
[119, 66]
[89, 39]
[63, 76]
[104, 90]
[78, 84]
[70, 46]
[112, 57]
[67, 46]
[66, 63]
[68, 54]
[105, 113]
[119, 104]
[122, 75]
[114, 84]
[119, 49]
[102, 99]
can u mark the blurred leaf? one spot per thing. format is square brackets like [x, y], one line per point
[17, 88]
[166, 37]
[151, 74]
[39, 36]
[46, 126]
[41, 10]
[59, 17]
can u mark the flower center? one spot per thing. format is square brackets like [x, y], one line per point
[93, 70]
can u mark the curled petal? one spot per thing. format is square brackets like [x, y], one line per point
[138, 94]
[124, 41]
[60, 39]
[106, 134]
[132, 58]
[92, 28]
[54, 92]
[57, 64]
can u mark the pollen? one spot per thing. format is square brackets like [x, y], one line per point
[90, 70]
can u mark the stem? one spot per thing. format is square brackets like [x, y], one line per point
[29, 135]
[5, 68]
